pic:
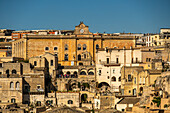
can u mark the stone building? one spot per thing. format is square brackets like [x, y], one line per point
[71, 49]
[109, 63]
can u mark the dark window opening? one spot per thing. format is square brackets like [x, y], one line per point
[107, 60]
[46, 48]
[84, 47]
[79, 57]
[51, 62]
[66, 57]
[35, 63]
[97, 46]
[55, 48]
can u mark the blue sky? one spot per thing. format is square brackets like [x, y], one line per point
[136, 16]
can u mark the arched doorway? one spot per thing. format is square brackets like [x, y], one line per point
[84, 98]
[103, 84]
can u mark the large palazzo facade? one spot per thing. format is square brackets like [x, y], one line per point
[76, 47]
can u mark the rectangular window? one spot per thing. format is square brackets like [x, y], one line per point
[113, 70]
[0, 64]
[129, 78]
[107, 60]
[51, 62]
[135, 80]
[136, 60]
[132, 60]
[100, 71]
[35, 63]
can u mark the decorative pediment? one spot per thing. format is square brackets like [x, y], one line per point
[81, 29]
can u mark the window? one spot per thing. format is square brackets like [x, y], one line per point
[14, 71]
[56, 55]
[38, 86]
[51, 62]
[136, 60]
[79, 57]
[66, 47]
[135, 80]
[117, 60]
[11, 85]
[147, 60]
[132, 60]
[55, 48]
[79, 47]
[66, 57]
[83, 73]
[90, 73]
[113, 78]
[17, 86]
[100, 71]
[113, 70]
[80, 64]
[129, 78]
[107, 60]
[46, 48]
[35, 63]
[97, 46]
[13, 100]
[84, 46]
[84, 56]
[7, 71]
[119, 79]
[70, 102]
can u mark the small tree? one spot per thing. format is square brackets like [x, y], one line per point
[157, 100]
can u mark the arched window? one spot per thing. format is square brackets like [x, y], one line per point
[14, 71]
[79, 47]
[79, 57]
[11, 85]
[66, 47]
[66, 57]
[70, 102]
[97, 46]
[17, 85]
[119, 79]
[84, 46]
[46, 48]
[55, 48]
[113, 78]
[83, 73]
[7, 71]
[68, 72]
[91, 73]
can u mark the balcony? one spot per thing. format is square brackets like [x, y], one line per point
[111, 63]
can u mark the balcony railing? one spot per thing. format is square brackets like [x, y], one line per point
[109, 63]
